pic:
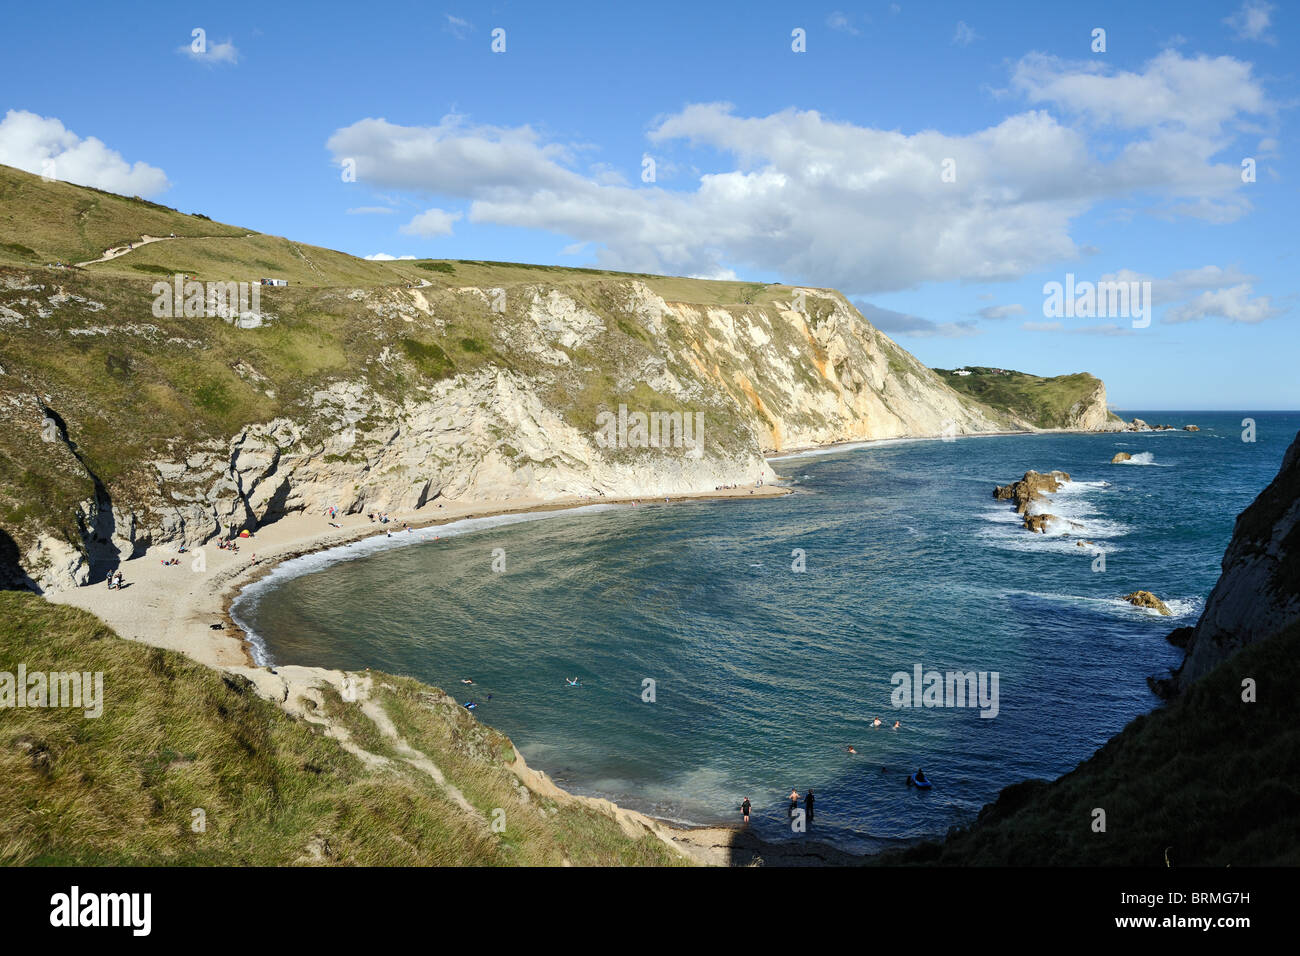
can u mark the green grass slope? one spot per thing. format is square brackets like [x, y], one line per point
[1209, 780]
[177, 737]
[44, 222]
[1043, 402]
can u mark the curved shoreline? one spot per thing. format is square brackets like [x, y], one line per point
[195, 619]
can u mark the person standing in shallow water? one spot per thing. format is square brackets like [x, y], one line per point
[808, 806]
[794, 800]
[744, 809]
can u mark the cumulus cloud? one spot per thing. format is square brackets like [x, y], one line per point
[1234, 304]
[1252, 20]
[866, 210]
[1205, 292]
[1002, 311]
[901, 323]
[385, 257]
[431, 223]
[32, 142]
[1194, 97]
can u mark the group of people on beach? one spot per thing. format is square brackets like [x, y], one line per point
[115, 580]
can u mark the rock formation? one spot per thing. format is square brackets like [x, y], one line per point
[1258, 593]
[1120, 456]
[1030, 488]
[1147, 599]
[1038, 522]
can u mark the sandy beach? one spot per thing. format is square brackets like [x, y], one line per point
[176, 606]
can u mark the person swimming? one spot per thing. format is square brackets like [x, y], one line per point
[572, 683]
[851, 750]
[897, 724]
[875, 721]
[466, 680]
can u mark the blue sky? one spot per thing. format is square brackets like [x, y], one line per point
[824, 167]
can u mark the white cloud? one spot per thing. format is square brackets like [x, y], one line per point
[385, 257]
[431, 223]
[1001, 311]
[862, 209]
[1233, 303]
[1172, 94]
[370, 211]
[29, 142]
[1205, 292]
[964, 36]
[1252, 20]
[213, 53]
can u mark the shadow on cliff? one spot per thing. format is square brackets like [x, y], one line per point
[12, 575]
[97, 539]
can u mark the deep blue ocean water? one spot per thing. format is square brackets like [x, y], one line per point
[764, 675]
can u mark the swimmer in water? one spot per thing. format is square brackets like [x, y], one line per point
[571, 683]
[466, 680]
[875, 721]
[897, 724]
[851, 750]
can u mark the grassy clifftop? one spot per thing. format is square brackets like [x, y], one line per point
[1042, 402]
[176, 737]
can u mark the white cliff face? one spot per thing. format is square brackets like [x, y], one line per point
[1258, 593]
[760, 378]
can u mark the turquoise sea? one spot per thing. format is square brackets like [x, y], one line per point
[762, 675]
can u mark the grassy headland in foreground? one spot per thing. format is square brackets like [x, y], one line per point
[177, 737]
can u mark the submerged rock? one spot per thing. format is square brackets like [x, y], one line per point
[1147, 599]
[1191, 428]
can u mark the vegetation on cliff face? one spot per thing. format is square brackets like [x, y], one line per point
[129, 428]
[177, 737]
[1057, 402]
